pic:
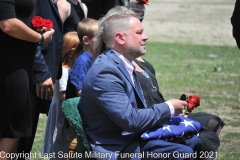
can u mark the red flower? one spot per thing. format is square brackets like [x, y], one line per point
[192, 102]
[47, 23]
[38, 23]
[142, 1]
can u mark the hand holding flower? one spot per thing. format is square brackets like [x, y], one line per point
[43, 26]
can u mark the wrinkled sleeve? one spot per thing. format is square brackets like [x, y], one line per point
[77, 74]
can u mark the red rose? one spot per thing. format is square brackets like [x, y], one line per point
[38, 23]
[143, 1]
[192, 102]
[47, 23]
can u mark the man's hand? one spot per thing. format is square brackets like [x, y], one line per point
[178, 105]
[45, 89]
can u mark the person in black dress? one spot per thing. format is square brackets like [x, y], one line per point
[78, 11]
[18, 43]
[47, 68]
[146, 75]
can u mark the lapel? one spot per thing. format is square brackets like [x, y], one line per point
[55, 9]
[120, 65]
[122, 68]
[138, 89]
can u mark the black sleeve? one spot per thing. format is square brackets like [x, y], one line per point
[7, 9]
[235, 20]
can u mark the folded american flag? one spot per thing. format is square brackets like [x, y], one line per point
[177, 127]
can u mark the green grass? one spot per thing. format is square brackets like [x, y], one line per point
[211, 72]
[37, 146]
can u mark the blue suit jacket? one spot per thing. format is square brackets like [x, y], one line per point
[112, 111]
[48, 59]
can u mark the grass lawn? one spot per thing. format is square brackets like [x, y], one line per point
[211, 72]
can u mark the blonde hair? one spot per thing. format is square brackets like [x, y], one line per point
[71, 47]
[87, 27]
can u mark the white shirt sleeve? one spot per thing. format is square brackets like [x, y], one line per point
[63, 80]
[171, 108]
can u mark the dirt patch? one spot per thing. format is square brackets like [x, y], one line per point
[190, 21]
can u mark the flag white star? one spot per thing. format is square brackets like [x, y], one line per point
[166, 126]
[188, 123]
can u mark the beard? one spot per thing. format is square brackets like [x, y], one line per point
[135, 52]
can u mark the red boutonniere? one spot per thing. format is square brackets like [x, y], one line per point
[142, 1]
[192, 102]
[38, 23]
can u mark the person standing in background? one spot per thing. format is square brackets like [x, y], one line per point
[47, 69]
[47, 63]
[18, 43]
[55, 138]
[78, 11]
[71, 12]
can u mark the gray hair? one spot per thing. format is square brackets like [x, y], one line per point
[116, 20]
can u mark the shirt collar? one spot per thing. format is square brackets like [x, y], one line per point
[128, 65]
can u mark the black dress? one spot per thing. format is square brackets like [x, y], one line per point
[99, 8]
[16, 63]
[149, 84]
[74, 18]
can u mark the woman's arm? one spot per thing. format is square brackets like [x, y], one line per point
[17, 29]
[84, 8]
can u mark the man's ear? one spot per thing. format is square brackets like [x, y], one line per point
[120, 38]
[85, 40]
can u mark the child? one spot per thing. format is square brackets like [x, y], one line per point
[56, 132]
[87, 29]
